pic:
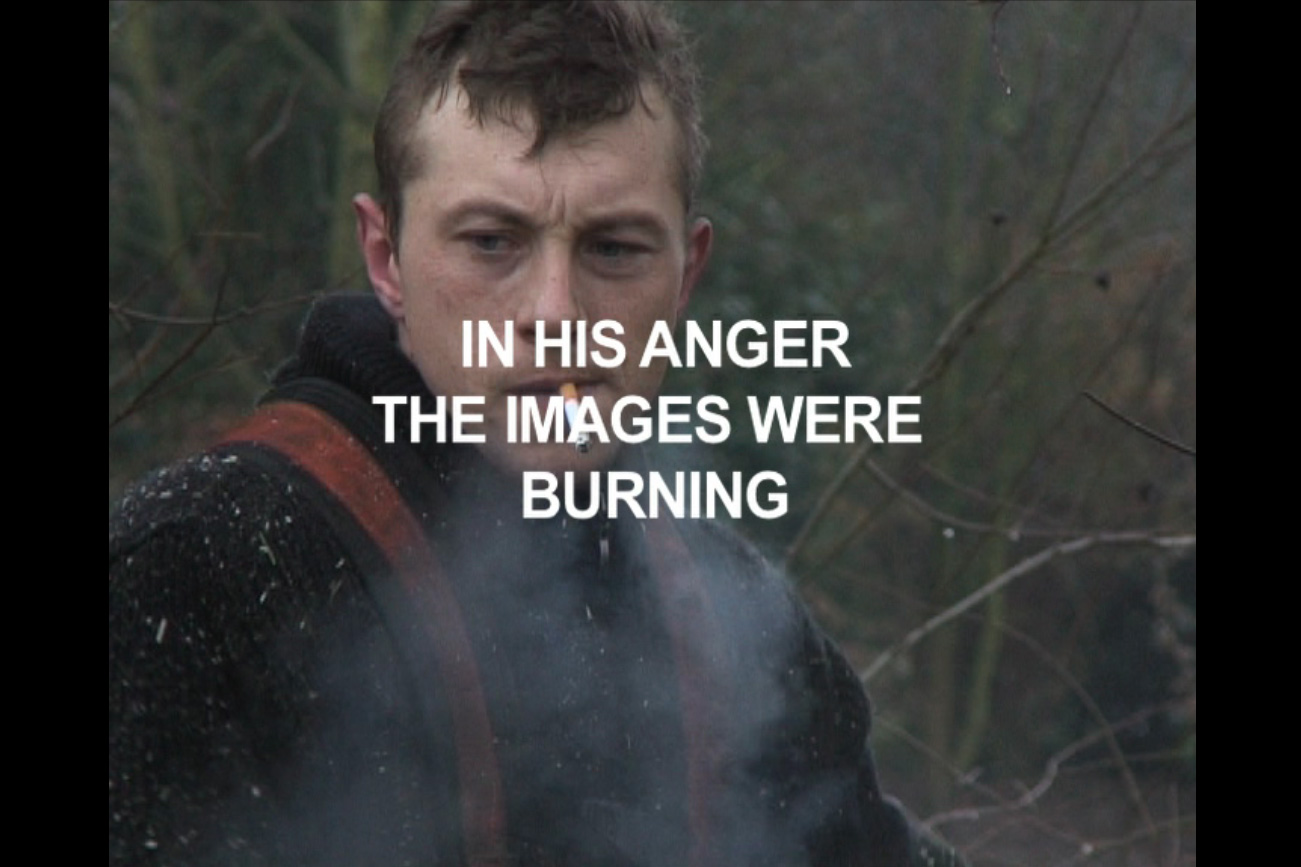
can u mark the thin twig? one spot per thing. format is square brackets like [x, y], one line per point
[1146, 431]
[1052, 769]
[180, 386]
[1107, 730]
[969, 781]
[311, 60]
[964, 323]
[950, 520]
[993, 42]
[1012, 532]
[939, 516]
[189, 350]
[1091, 114]
[1156, 152]
[278, 128]
[1092, 850]
[1176, 842]
[1074, 546]
[130, 313]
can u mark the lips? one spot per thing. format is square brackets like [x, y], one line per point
[549, 385]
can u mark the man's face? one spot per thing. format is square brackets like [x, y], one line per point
[593, 228]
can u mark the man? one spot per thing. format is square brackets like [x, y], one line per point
[331, 648]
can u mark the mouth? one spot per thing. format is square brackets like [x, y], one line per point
[544, 388]
[549, 385]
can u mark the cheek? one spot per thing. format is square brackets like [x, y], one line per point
[431, 328]
[429, 286]
[436, 301]
[428, 329]
[640, 311]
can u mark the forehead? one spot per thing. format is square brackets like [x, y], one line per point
[632, 157]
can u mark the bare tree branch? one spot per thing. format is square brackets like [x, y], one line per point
[1146, 431]
[311, 60]
[128, 313]
[175, 364]
[993, 44]
[965, 321]
[1090, 115]
[1013, 533]
[1090, 850]
[1051, 773]
[278, 128]
[1074, 546]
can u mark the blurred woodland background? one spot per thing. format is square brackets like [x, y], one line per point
[998, 198]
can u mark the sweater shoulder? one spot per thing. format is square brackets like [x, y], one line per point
[216, 539]
[238, 629]
[210, 493]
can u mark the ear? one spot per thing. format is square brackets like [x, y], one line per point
[380, 253]
[700, 240]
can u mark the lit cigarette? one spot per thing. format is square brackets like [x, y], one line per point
[569, 392]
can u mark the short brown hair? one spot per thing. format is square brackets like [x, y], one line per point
[569, 65]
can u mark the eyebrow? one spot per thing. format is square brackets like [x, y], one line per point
[636, 219]
[489, 208]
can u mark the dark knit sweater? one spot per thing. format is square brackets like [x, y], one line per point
[261, 710]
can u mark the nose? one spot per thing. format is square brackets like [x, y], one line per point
[552, 297]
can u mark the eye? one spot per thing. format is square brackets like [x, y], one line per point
[616, 257]
[489, 242]
[609, 249]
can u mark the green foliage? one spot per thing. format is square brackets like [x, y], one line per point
[233, 137]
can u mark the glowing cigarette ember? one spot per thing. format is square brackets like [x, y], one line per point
[569, 392]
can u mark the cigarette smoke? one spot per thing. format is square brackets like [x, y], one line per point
[578, 667]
